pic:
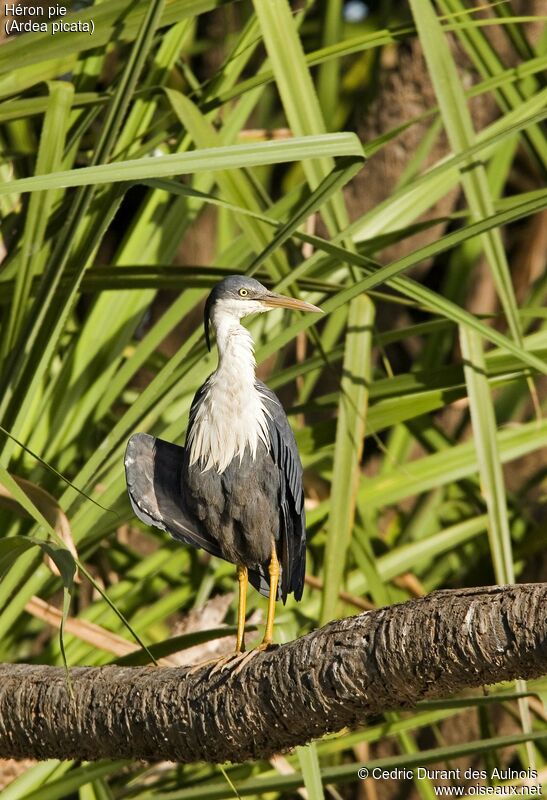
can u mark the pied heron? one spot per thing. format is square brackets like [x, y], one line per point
[235, 488]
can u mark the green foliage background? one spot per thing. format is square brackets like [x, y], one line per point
[414, 414]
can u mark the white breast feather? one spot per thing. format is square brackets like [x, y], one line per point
[232, 414]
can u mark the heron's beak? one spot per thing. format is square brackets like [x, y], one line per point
[273, 300]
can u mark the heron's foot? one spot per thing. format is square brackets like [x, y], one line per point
[218, 663]
[244, 661]
[265, 645]
[235, 661]
[227, 662]
[261, 648]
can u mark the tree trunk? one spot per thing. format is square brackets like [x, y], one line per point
[329, 679]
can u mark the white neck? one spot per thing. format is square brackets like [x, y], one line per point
[232, 415]
[235, 347]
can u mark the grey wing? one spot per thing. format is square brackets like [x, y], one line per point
[153, 472]
[292, 520]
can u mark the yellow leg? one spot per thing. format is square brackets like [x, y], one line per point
[243, 577]
[274, 578]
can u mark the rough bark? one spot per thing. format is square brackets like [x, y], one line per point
[334, 677]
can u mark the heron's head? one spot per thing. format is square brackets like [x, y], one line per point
[237, 296]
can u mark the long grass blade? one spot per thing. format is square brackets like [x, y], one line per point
[459, 129]
[350, 433]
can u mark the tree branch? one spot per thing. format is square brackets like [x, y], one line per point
[329, 679]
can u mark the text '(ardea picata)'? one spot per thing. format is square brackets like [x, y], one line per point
[235, 488]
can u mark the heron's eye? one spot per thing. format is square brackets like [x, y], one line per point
[243, 292]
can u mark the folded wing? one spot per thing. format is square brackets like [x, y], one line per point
[292, 520]
[153, 471]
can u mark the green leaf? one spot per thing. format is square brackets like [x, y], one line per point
[12, 547]
[298, 94]
[33, 777]
[483, 421]
[443, 467]
[344, 773]
[490, 467]
[459, 129]
[66, 564]
[212, 159]
[311, 771]
[350, 434]
[17, 492]
[65, 785]
[50, 154]
[377, 274]
[408, 557]
[10, 550]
